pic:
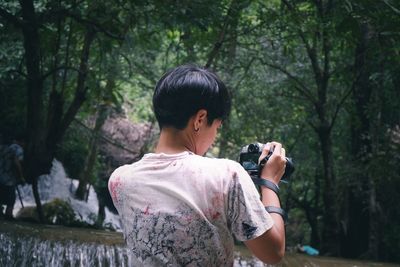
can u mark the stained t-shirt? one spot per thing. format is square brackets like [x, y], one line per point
[182, 209]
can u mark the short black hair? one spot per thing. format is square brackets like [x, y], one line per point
[184, 90]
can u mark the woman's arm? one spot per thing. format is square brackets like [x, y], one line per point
[270, 246]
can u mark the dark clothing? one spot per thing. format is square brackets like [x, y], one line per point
[7, 195]
[8, 170]
[10, 156]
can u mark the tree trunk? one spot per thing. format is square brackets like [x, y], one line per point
[362, 234]
[313, 221]
[374, 223]
[38, 203]
[81, 88]
[101, 213]
[330, 227]
[81, 191]
[36, 158]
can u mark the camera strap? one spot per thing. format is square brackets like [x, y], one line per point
[263, 182]
[274, 187]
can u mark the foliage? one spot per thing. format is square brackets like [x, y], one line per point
[73, 150]
[59, 212]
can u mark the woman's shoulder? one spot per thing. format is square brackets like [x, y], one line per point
[121, 171]
[218, 163]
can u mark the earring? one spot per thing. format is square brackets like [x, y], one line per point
[196, 130]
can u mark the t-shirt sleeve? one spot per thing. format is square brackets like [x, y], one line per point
[247, 217]
[115, 187]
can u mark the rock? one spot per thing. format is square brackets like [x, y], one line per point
[124, 140]
[28, 214]
[57, 211]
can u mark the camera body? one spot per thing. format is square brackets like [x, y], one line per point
[249, 156]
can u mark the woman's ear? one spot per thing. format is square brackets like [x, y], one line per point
[200, 119]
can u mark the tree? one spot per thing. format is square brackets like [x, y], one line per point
[313, 24]
[373, 38]
[45, 131]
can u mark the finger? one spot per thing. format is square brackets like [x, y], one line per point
[267, 147]
[278, 148]
[283, 152]
[265, 151]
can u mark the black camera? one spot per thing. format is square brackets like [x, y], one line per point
[249, 156]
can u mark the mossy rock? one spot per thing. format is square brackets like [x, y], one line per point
[56, 211]
[28, 214]
[59, 212]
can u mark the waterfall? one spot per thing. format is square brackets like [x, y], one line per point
[58, 185]
[32, 252]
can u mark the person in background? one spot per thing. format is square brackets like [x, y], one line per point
[11, 174]
[179, 208]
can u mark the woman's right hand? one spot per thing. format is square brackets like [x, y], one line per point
[275, 166]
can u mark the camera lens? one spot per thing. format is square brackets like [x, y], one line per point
[253, 148]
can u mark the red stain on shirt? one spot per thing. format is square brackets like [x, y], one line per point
[215, 215]
[147, 210]
[217, 201]
[114, 184]
[217, 204]
[187, 218]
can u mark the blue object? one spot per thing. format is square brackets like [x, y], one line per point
[310, 250]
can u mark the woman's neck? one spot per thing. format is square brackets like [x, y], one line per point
[173, 141]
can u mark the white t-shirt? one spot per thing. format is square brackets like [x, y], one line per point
[182, 209]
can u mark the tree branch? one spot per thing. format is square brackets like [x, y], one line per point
[81, 89]
[312, 125]
[57, 69]
[397, 11]
[19, 72]
[217, 46]
[221, 38]
[246, 70]
[339, 105]
[341, 102]
[96, 26]
[297, 138]
[77, 17]
[301, 88]
[311, 51]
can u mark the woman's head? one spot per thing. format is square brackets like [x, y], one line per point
[185, 90]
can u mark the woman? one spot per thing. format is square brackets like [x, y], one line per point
[179, 208]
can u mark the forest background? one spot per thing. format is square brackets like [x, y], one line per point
[320, 76]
